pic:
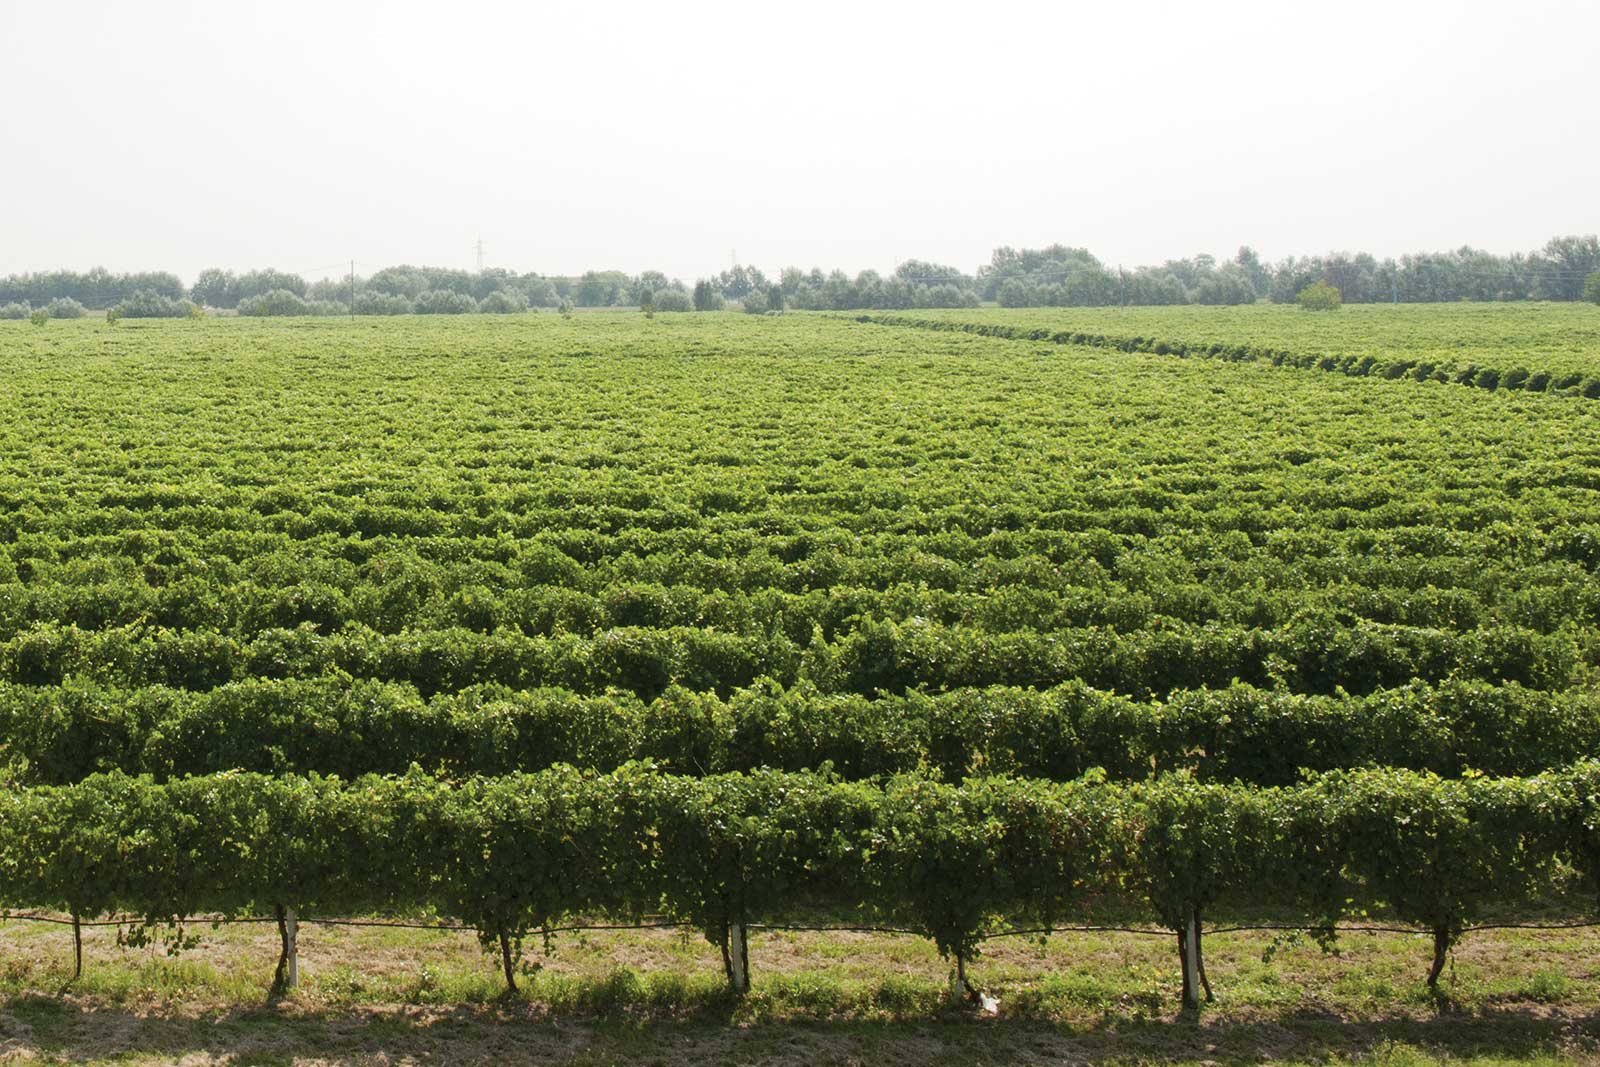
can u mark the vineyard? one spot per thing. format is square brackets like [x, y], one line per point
[1529, 347]
[962, 624]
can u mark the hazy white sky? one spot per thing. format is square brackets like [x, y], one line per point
[174, 135]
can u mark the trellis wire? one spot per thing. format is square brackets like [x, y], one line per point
[667, 924]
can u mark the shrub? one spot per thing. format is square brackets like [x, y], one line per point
[445, 302]
[278, 302]
[64, 307]
[503, 302]
[13, 311]
[39, 317]
[1319, 296]
[371, 302]
[673, 300]
[149, 304]
[755, 302]
[327, 307]
[1591, 287]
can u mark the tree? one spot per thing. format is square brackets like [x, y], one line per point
[755, 302]
[1155, 286]
[601, 288]
[1038, 267]
[706, 297]
[216, 288]
[647, 284]
[921, 272]
[1248, 261]
[261, 282]
[774, 298]
[1319, 296]
[541, 292]
[369, 302]
[1230, 285]
[332, 289]
[491, 280]
[1016, 293]
[445, 302]
[837, 292]
[1563, 265]
[740, 280]
[1591, 287]
[404, 280]
[1351, 275]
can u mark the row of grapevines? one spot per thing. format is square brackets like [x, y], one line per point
[1441, 588]
[352, 727]
[513, 855]
[1418, 368]
[1311, 655]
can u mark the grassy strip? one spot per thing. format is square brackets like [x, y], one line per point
[382, 996]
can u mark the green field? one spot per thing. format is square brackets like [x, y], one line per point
[523, 621]
[1538, 347]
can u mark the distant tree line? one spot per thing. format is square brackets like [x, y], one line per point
[1063, 276]
[97, 288]
[1565, 268]
[914, 284]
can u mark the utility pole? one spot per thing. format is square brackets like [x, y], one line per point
[480, 255]
[352, 290]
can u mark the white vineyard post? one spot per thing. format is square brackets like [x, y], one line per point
[958, 981]
[738, 959]
[292, 978]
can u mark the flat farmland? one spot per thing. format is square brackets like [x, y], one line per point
[1534, 347]
[755, 624]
